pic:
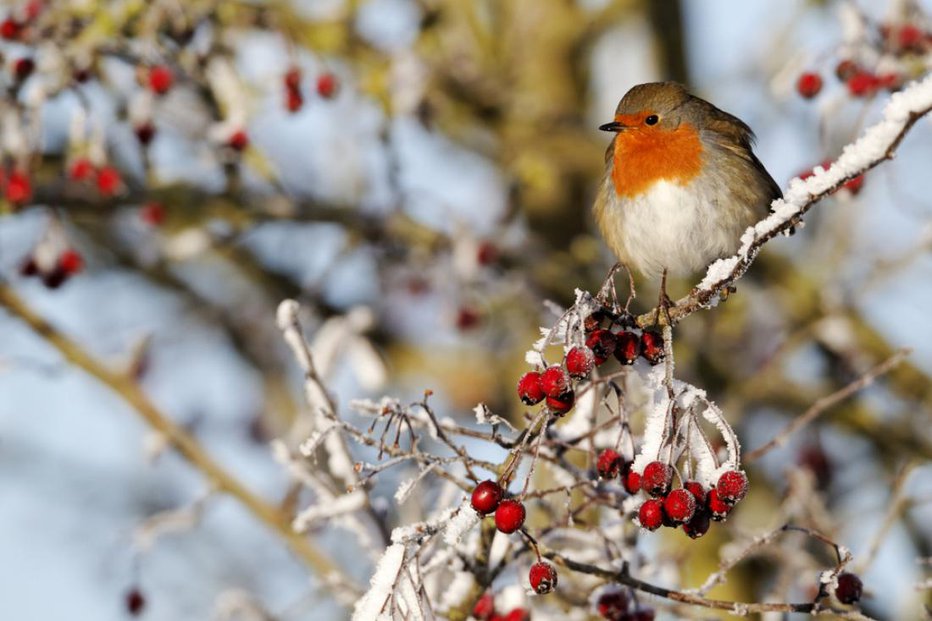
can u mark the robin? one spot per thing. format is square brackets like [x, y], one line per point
[681, 182]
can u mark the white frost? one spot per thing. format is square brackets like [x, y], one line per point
[371, 605]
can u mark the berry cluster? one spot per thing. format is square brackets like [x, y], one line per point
[327, 86]
[106, 179]
[617, 606]
[484, 610]
[54, 273]
[852, 185]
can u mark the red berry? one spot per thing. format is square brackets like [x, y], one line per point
[909, 37]
[509, 516]
[862, 84]
[814, 459]
[890, 81]
[10, 28]
[717, 507]
[695, 488]
[650, 515]
[602, 344]
[23, 68]
[632, 482]
[517, 614]
[849, 588]
[627, 347]
[487, 253]
[467, 318]
[698, 525]
[71, 262]
[145, 132]
[609, 464]
[486, 496]
[679, 505]
[846, 69]
[18, 187]
[293, 79]
[594, 321]
[530, 390]
[652, 346]
[656, 478]
[238, 140]
[327, 85]
[555, 381]
[484, 608]
[854, 185]
[732, 486]
[579, 362]
[152, 213]
[809, 84]
[294, 100]
[81, 169]
[562, 404]
[108, 180]
[160, 79]
[135, 601]
[543, 577]
[612, 605]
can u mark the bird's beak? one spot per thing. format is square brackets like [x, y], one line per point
[614, 126]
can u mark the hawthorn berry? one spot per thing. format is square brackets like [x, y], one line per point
[530, 390]
[467, 318]
[484, 608]
[602, 344]
[641, 614]
[855, 184]
[612, 605]
[809, 84]
[849, 588]
[652, 346]
[10, 28]
[81, 169]
[327, 85]
[134, 601]
[732, 486]
[23, 68]
[487, 254]
[695, 488]
[70, 262]
[698, 525]
[161, 79]
[55, 278]
[516, 614]
[679, 505]
[594, 321]
[846, 69]
[509, 516]
[579, 362]
[292, 79]
[632, 482]
[909, 37]
[108, 180]
[152, 213]
[486, 496]
[718, 508]
[650, 515]
[294, 100]
[238, 140]
[627, 347]
[562, 404]
[543, 577]
[555, 381]
[145, 132]
[862, 84]
[609, 464]
[656, 478]
[29, 267]
[18, 187]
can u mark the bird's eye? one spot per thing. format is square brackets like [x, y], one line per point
[652, 119]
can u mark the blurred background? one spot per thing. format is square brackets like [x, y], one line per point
[421, 186]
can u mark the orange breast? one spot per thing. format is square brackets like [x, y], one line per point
[644, 156]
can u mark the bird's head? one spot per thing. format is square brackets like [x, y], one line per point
[649, 108]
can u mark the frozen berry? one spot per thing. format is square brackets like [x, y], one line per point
[698, 525]
[509, 516]
[627, 347]
[909, 37]
[10, 28]
[484, 608]
[81, 169]
[23, 68]
[612, 605]
[294, 100]
[555, 381]
[849, 588]
[160, 79]
[238, 140]
[854, 185]
[718, 508]
[695, 488]
[579, 362]
[70, 261]
[846, 69]
[732, 486]
[602, 344]
[18, 187]
[594, 321]
[562, 404]
[652, 346]
[543, 577]
[809, 84]
[656, 478]
[529, 389]
[327, 85]
[486, 496]
[134, 601]
[679, 505]
[632, 482]
[108, 180]
[650, 515]
[293, 78]
[862, 84]
[609, 464]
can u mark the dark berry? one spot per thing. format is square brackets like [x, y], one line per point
[846, 69]
[718, 508]
[579, 362]
[543, 577]
[652, 346]
[509, 516]
[809, 84]
[849, 588]
[732, 486]
[555, 381]
[562, 404]
[679, 505]
[612, 605]
[23, 68]
[486, 496]
[602, 344]
[627, 347]
[529, 389]
[698, 525]
[145, 132]
[135, 601]
[29, 267]
[650, 515]
[55, 278]
[641, 614]
[656, 478]
[609, 464]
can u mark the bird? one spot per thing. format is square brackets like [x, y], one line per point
[681, 182]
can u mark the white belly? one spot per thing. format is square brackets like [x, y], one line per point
[672, 227]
